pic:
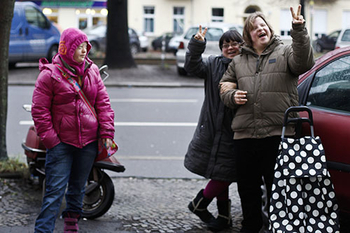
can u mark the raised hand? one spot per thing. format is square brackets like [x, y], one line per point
[297, 18]
[201, 35]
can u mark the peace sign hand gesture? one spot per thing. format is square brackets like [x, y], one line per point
[297, 18]
[201, 35]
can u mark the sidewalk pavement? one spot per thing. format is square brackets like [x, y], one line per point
[140, 205]
[141, 76]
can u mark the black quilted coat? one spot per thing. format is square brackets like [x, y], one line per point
[210, 153]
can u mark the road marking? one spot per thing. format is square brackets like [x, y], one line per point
[154, 124]
[146, 157]
[26, 122]
[155, 100]
[184, 124]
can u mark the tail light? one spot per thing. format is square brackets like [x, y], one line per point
[181, 45]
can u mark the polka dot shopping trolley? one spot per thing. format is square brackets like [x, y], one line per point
[303, 197]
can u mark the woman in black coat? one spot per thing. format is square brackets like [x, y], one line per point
[210, 153]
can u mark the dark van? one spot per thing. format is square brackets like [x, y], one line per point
[32, 35]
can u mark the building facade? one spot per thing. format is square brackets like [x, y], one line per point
[155, 17]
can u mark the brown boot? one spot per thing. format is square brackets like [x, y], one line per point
[199, 205]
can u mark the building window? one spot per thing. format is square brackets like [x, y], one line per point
[285, 23]
[179, 19]
[319, 25]
[217, 14]
[148, 16]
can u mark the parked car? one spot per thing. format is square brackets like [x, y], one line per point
[97, 37]
[143, 41]
[215, 31]
[174, 43]
[325, 89]
[32, 35]
[343, 39]
[326, 42]
[157, 43]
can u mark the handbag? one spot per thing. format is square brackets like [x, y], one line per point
[102, 152]
[303, 197]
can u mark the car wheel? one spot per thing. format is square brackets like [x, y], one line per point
[181, 71]
[318, 48]
[134, 49]
[52, 52]
[94, 48]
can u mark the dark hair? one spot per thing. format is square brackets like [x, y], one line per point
[230, 35]
[249, 25]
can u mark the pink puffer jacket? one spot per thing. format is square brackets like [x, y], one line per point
[59, 113]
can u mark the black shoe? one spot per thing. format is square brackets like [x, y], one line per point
[199, 207]
[224, 219]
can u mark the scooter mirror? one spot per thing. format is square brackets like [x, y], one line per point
[103, 72]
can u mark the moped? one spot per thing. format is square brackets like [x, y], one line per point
[99, 189]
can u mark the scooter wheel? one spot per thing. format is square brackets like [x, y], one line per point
[99, 197]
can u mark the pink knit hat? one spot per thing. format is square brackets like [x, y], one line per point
[71, 38]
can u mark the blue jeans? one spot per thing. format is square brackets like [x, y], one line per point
[65, 164]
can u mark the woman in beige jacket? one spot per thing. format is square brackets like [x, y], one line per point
[266, 73]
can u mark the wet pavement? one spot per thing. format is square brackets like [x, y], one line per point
[140, 205]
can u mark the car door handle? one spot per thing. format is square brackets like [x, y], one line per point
[20, 31]
[26, 31]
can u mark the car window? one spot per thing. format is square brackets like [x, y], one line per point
[190, 33]
[35, 17]
[331, 86]
[213, 34]
[334, 34]
[132, 32]
[239, 29]
[346, 36]
[97, 30]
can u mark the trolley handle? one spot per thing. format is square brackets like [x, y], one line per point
[288, 120]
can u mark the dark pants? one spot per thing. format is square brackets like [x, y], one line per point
[256, 158]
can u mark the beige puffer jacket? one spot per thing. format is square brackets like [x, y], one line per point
[271, 82]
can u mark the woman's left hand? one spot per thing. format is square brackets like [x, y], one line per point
[297, 18]
[107, 142]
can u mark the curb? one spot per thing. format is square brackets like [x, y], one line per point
[131, 84]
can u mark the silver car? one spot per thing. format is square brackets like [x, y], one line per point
[97, 37]
[215, 31]
[343, 38]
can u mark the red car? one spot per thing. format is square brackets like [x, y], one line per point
[325, 89]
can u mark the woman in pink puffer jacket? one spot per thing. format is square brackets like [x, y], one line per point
[67, 127]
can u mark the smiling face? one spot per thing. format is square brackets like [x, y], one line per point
[80, 52]
[230, 49]
[260, 35]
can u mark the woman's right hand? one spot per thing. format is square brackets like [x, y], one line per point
[240, 97]
[201, 35]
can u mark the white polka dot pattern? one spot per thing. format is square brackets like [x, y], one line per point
[303, 198]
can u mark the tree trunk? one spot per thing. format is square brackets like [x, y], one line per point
[118, 54]
[302, 3]
[6, 14]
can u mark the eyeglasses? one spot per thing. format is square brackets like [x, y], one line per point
[233, 44]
